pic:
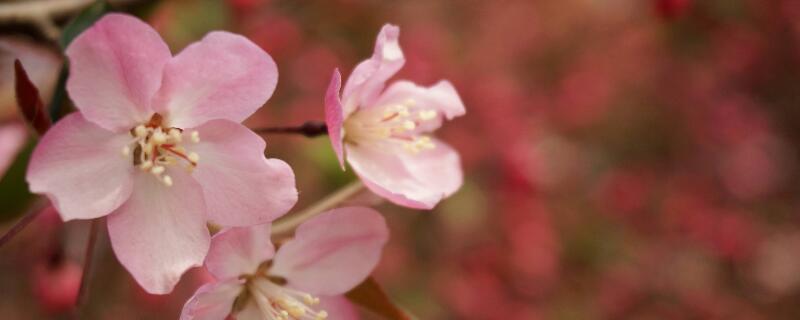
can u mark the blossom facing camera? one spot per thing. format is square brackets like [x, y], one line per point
[385, 134]
[329, 255]
[157, 145]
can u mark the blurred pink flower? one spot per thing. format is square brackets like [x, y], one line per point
[56, 286]
[383, 133]
[329, 255]
[134, 151]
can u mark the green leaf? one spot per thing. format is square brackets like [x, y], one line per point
[84, 20]
[14, 194]
[371, 296]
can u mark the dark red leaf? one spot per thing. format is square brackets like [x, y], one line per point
[371, 296]
[29, 101]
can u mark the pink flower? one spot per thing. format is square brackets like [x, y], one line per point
[383, 134]
[329, 255]
[158, 146]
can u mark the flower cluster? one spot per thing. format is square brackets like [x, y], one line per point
[157, 147]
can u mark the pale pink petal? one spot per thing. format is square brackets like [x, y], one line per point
[81, 169]
[333, 252]
[115, 69]
[12, 138]
[160, 232]
[337, 307]
[438, 170]
[441, 98]
[223, 76]
[239, 251]
[334, 116]
[385, 174]
[240, 185]
[369, 77]
[212, 301]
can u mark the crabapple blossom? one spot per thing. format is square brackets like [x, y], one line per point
[329, 255]
[157, 145]
[385, 134]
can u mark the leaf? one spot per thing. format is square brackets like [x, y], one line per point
[29, 100]
[14, 194]
[84, 20]
[371, 296]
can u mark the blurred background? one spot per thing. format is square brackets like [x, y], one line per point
[624, 159]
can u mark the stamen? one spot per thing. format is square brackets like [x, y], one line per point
[155, 147]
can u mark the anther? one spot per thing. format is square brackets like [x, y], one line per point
[195, 136]
[175, 135]
[140, 131]
[409, 125]
[157, 170]
[193, 157]
[167, 180]
[426, 115]
[159, 137]
[410, 102]
[126, 151]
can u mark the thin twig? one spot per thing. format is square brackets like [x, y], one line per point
[40, 13]
[83, 292]
[288, 224]
[309, 129]
[34, 212]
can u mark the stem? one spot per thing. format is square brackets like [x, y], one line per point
[309, 129]
[288, 224]
[22, 223]
[83, 292]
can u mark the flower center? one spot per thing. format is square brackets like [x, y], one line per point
[278, 302]
[155, 147]
[392, 125]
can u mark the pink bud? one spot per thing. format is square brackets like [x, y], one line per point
[56, 286]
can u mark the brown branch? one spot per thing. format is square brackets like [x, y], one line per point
[22, 223]
[83, 292]
[309, 129]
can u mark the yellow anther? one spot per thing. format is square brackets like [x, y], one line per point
[322, 315]
[167, 180]
[195, 136]
[409, 125]
[157, 170]
[194, 157]
[140, 131]
[426, 115]
[126, 151]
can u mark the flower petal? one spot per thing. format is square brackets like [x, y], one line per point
[438, 169]
[115, 69]
[223, 76]
[441, 97]
[79, 166]
[334, 116]
[417, 181]
[240, 185]
[337, 307]
[333, 252]
[212, 301]
[238, 251]
[369, 77]
[160, 232]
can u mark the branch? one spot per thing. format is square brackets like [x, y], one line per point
[309, 129]
[288, 224]
[83, 292]
[40, 13]
[22, 223]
